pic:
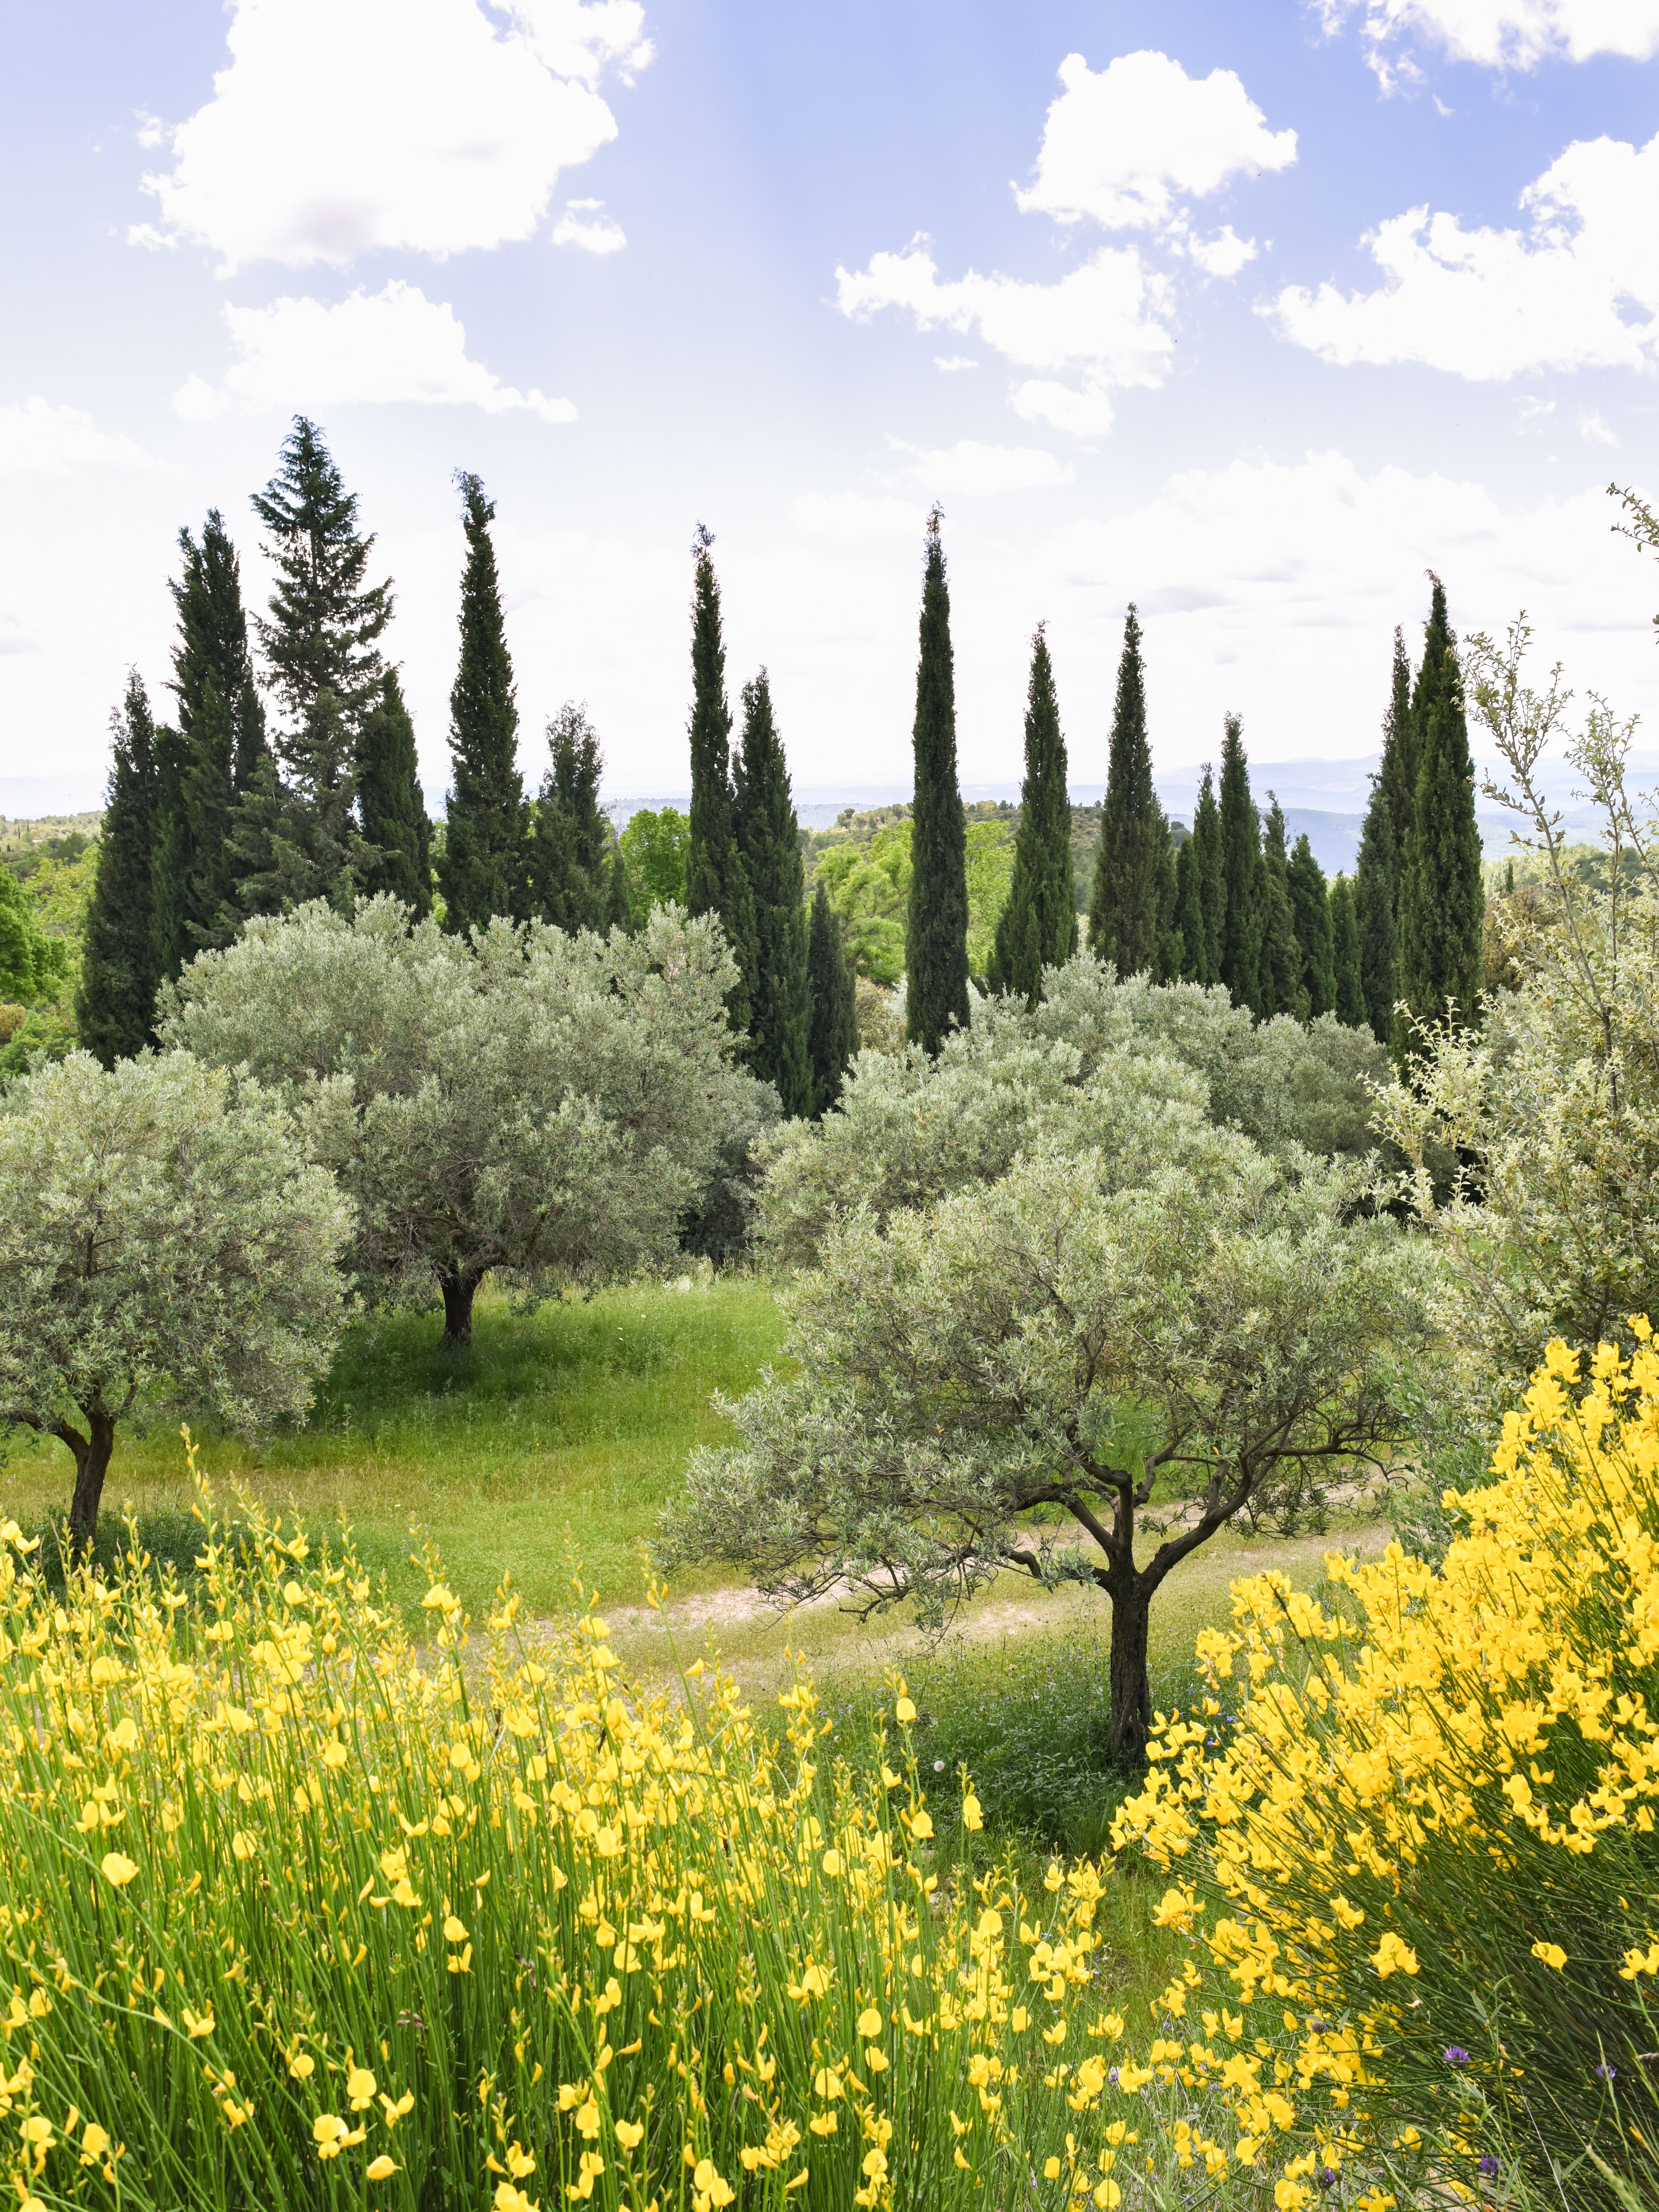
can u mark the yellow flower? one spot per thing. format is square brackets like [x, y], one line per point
[455, 1931]
[1051, 2169]
[519, 2161]
[197, 2024]
[904, 1712]
[1107, 2195]
[329, 2132]
[588, 2119]
[382, 2168]
[1550, 1954]
[832, 1863]
[1391, 1955]
[630, 2134]
[922, 1826]
[118, 1868]
[869, 2022]
[360, 2088]
[94, 2143]
[973, 1817]
[302, 2066]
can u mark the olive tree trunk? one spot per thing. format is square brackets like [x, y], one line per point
[459, 1285]
[92, 1457]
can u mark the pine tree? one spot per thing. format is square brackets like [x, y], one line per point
[834, 1032]
[484, 868]
[1441, 900]
[936, 930]
[1242, 917]
[1125, 923]
[1279, 971]
[1376, 902]
[325, 623]
[1397, 775]
[1037, 927]
[115, 1006]
[1351, 1010]
[390, 804]
[1310, 908]
[768, 837]
[334, 860]
[715, 881]
[571, 845]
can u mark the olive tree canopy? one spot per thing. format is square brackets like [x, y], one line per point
[545, 1105]
[161, 1235]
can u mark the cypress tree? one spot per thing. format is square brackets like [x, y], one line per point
[834, 1037]
[325, 623]
[1397, 775]
[220, 719]
[570, 855]
[390, 804]
[1125, 921]
[1190, 911]
[171, 856]
[1037, 927]
[1376, 902]
[1210, 888]
[115, 1005]
[1441, 900]
[1350, 1009]
[936, 927]
[1242, 915]
[768, 838]
[484, 867]
[1166, 968]
[714, 880]
[1278, 972]
[1310, 910]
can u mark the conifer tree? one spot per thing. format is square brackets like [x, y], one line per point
[936, 930]
[1397, 775]
[1279, 973]
[1037, 927]
[1125, 921]
[1376, 902]
[619, 912]
[1166, 968]
[714, 882]
[834, 1032]
[1350, 1009]
[390, 804]
[1242, 916]
[1441, 900]
[1210, 889]
[324, 624]
[219, 716]
[1310, 909]
[485, 867]
[768, 837]
[115, 1005]
[1189, 912]
[171, 855]
[571, 876]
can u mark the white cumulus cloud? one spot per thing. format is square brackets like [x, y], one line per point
[1501, 33]
[1126, 144]
[37, 437]
[1579, 289]
[342, 127]
[583, 224]
[373, 350]
[973, 469]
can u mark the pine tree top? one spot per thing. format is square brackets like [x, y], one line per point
[324, 624]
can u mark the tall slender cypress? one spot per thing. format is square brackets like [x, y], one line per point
[936, 929]
[484, 867]
[1124, 907]
[1278, 968]
[1442, 900]
[325, 623]
[768, 837]
[834, 1037]
[172, 855]
[1350, 1009]
[715, 881]
[1037, 927]
[1242, 917]
[1310, 909]
[1401, 742]
[1210, 882]
[390, 804]
[219, 714]
[1190, 911]
[115, 1006]
[1377, 906]
[571, 845]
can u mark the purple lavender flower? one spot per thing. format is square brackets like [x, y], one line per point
[1112, 2077]
[1327, 2178]
[1455, 2055]
[1605, 2072]
[1488, 2165]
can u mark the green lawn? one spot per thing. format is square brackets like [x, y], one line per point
[575, 1417]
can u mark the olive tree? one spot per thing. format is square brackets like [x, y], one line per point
[544, 1105]
[162, 1238]
[1153, 1342]
[911, 1127]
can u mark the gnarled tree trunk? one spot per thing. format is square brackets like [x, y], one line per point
[459, 1285]
[1131, 1687]
[92, 1457]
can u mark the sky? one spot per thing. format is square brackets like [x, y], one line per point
[1250, 315]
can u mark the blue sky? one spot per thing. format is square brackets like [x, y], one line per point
[1250, 315]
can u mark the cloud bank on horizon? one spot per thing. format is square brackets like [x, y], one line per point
[1250, 327]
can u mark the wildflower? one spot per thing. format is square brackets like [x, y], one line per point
[1327, 2178]
[1550, 1954]
[832, 1863]
[1455, 2055]
[455, 1931]
[1605, 2072]
[1391, 1955]
[382, 2168]
[1051, 2169]
[360, 2088]
[973, 1818]
[118, 1869]
[1487, 2164]
[302, 2066]
[630, 2134]
[869, 2022]
[922, 1826]
[904, 1712]
[94, 2143]
[329, 2132]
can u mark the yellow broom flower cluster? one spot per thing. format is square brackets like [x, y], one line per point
[297, 1910]
[1429, 1802]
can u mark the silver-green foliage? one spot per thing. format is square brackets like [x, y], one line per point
[526, 1101]
[1090, 1065]
[161, 1235]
